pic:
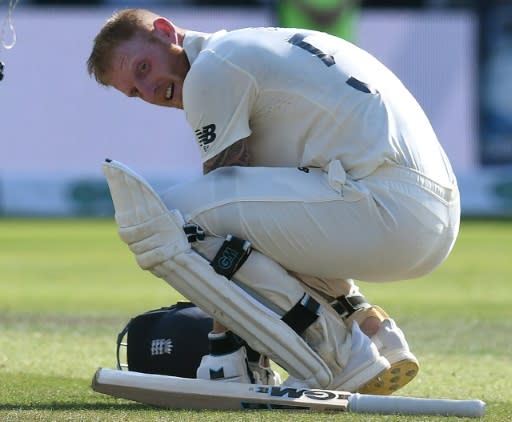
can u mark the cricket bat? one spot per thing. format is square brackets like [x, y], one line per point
[186, 393]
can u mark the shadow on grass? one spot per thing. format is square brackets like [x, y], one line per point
[76, 406]
[120, 407]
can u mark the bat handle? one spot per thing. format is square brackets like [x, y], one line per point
[366, 403]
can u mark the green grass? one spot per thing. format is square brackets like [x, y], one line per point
[67, 287]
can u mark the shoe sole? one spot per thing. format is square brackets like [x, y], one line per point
[398, 375]
[353, 381]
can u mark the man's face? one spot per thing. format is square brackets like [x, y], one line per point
[152, 70]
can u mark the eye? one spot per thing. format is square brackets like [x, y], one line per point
[142, 68]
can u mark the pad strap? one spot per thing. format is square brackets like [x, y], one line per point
[347, 305]
[303, 314]
[231, 256]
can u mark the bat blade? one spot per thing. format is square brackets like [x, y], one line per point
[185, 393]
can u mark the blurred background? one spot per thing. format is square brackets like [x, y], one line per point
[57, 125]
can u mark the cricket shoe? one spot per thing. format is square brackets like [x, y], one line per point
[391, 343]
[364, 366]
[228, 362]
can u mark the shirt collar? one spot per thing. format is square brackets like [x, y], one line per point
[194, 42]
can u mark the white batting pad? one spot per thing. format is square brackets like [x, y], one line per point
[153, 233]
[156, 237]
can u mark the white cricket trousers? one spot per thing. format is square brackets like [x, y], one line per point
[392, 225]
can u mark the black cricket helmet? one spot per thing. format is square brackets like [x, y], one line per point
[166, 341]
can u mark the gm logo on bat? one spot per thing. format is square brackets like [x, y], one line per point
[294, 393]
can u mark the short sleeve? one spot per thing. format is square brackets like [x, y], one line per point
[217, 99]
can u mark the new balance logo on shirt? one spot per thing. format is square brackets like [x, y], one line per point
[205, 136]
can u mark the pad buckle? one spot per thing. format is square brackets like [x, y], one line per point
[194, 232]
[347, 305]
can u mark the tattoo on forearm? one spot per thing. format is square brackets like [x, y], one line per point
[236, 155]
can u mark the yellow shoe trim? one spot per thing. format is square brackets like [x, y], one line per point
[394, 378]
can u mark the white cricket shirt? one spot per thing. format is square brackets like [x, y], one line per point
[302, 98]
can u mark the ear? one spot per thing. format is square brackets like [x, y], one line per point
[164, 28]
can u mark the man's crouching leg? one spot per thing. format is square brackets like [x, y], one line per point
[264, 305]
[348, 353]
[345, 297]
